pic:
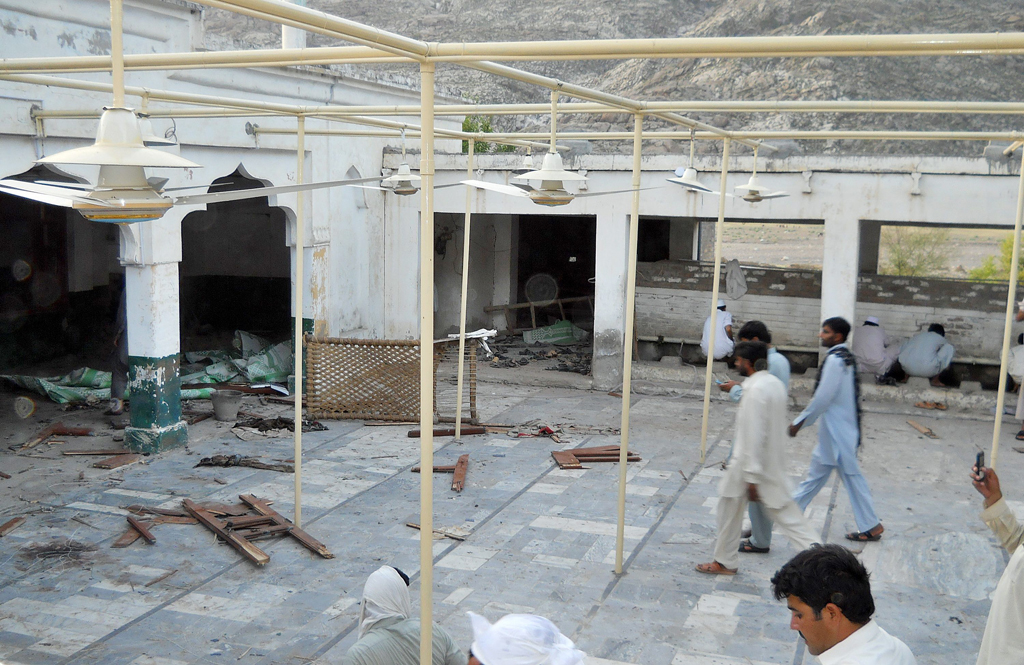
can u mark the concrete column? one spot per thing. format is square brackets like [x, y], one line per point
[839, 268]
[609, 298]
[870, 241]
[319, 292]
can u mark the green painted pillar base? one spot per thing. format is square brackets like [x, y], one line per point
[154, 385]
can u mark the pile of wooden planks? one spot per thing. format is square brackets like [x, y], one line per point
[574, 459]
[458, 470]
[257, 520]
[57, 429]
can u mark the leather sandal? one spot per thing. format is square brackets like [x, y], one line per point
[748, 547]
[715, 568]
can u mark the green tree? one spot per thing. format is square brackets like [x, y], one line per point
[915, 252]
[997, 267]
[482, 124]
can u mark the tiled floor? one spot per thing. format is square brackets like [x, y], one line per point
[540, 540]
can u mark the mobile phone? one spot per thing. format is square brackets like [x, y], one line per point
[719, 381]
[979, 464]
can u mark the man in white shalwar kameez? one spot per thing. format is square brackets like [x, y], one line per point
[757, 467]
[836, 404]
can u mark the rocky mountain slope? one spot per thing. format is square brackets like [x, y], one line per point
[947, 78]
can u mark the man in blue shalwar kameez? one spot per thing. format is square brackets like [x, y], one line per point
[836, 403]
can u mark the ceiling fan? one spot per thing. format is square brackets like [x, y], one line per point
[754, 191]
[122, 192]
[687, 177]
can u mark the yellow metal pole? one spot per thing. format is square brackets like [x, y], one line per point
[300, 248]
[719, 228]
[627, 342]
[465, 289]
[1011, 301]
[117, 51]
[426, 358]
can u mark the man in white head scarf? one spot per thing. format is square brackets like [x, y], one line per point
[387, 634]
[520, 639]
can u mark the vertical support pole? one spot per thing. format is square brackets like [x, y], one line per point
[117, 50]
[1011, 300]
[465, 287]
[426, 358]
[627, 340]
[300, 253]
[714, 301]
[554, 123]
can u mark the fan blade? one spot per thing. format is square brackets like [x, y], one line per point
[259, 192]
[696, 187]
[615, 191]
[62, 201]
[377, 189]
[69, 185]
[49, 195]
[448, 184]
[774, 195]
[495, 187]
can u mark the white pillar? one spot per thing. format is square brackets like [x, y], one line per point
[609, 299]
[840, 267]
[506, 268]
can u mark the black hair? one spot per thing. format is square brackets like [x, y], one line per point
[838, 324]
[752, 329]
[405, 578]
[755, 352]
[937, 328]
[826, 574]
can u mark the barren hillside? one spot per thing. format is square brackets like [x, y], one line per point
[947, 78]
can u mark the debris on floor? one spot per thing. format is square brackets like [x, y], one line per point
[458, 470]
[258, 521]
[927, 431]
[118, 461]
[85, 384]
[5, 476]
[11, 525]
[56, 429]
[238, 460]
[466, 429]
[252, 427]
[58, 549]
[96, 452]
[574, 458]
[563, 332]
[143, 529]
[443, 533]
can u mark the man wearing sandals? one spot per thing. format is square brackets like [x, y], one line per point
[836, 402]
[757, 467]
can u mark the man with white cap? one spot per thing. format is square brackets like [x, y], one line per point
[724, 343]
[520, 639]
[387, 634]
[874, 349]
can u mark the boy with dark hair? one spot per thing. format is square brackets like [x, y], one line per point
[829, 594]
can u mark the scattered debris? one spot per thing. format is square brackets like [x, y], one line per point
[71, 549]
[441, 532]
[572, 459]
[161, 578]
[922, 429]
[142, 528]
[57, 429]
[78, 519]
[126, 539]
[239, 530]
[415, 433]
[220, 481]
[117, 462]
[193, 418]
[96, 452]
[11, 525]
[7, 476]
[238, 460]
[458, 469]
[269, 424]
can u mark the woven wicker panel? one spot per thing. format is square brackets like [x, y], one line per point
[367, 379]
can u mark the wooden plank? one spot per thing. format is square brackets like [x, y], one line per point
[5, 476]
[307, 541]
[459, 479]
[247, 521]
[565, 459]
[127, 538]
[437, 469]
[11, 525]
[442, 532]
[922, 429]
[117, 462]
[224, 509]
[415, 434]
[174, 519]
[247, 549]
[95, 452]
[161, 578]
[142, 529]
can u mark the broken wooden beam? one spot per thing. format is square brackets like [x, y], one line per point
[415, 433]
[161, 578]
[248, 521]
[11, 525]
[126, 538]
[57, 429]
[459, 479]
[5, 476]
[573, 458]
[440, 532]
[927, 431]
[450, 468]
[117, 462]
[142, 529]
[247, 549]
[307, 541]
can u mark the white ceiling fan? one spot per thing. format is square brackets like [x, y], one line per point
[754, 191]
[687, 177]
[122, 192]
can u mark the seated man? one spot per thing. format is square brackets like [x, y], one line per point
[723, 334]
[927, 354]
[874, 349]
[827, 590]
[387, 636]
[1003, 641]
[520, 639]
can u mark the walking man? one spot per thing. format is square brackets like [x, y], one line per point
[836, 402]
[757, 467]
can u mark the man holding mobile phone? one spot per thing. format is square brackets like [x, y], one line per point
[1003, 641]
